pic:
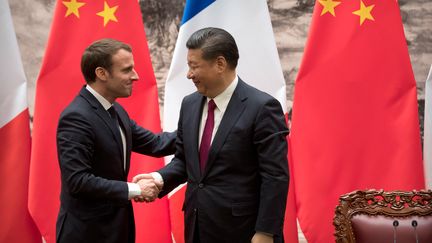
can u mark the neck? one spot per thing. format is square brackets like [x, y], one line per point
[227, 79]
[101, 90]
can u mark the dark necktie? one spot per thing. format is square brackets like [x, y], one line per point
[207, 135]
[115, 122]
[113, 115]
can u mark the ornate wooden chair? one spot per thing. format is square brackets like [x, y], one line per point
[379, 216]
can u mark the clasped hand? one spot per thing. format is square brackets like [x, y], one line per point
[149, 188]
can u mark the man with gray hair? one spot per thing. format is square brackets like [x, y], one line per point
[231, 150]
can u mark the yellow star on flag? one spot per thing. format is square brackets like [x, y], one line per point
[108, 13]
[329, 6]
[364, 12]
[73, 7]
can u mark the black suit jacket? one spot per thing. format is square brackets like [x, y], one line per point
[94, 193]
[245, 183]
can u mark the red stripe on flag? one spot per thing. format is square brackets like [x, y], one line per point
[16, 223]
[177, 216]
[290, 224]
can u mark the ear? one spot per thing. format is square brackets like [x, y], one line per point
[221, 63]
[101, 73]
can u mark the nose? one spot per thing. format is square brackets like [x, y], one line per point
[135, 76]
[189, 74]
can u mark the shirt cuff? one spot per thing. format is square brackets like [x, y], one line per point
[134, 190]
[158, 178]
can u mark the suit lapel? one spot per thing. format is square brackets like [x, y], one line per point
[104, 115]
[233, 112]
[114, 130]
[124, 123]
[192, 125]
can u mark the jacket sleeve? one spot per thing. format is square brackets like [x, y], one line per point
[149, 143]
[75, 145]
[271, 146]
[174, 173]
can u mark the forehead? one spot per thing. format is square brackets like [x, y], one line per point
[194, 55]
[122, 58]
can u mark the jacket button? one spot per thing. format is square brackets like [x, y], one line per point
[201, 185]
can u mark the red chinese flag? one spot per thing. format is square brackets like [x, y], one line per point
[355, 121]
[76, 24]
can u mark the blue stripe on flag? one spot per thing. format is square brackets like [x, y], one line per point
[193, 7]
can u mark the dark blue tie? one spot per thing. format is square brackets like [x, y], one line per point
[114, 121]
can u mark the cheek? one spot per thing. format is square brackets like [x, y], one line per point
[196, 73]
[124, 79]
[203, 75]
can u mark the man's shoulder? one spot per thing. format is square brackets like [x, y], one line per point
[255, 94]
[191, 98]
[77, 106]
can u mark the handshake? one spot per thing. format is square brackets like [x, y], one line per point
[149, 185]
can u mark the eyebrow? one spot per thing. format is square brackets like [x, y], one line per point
[128, 68]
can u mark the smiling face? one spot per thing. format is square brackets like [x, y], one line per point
[205, 74]
[118, 81]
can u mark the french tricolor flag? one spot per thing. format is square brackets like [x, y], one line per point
[16, 223]
[259, 65]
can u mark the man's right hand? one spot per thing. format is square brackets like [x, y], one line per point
[149, 190]
[150, 176]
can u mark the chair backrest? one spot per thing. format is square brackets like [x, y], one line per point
[380, 216]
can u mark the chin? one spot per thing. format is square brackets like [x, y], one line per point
[201, 91]
[126, 95]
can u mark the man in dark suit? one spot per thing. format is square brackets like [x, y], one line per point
[95, 137]
[231, 150]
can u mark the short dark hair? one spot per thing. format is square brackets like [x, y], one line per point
[99, 54]
[215, 42]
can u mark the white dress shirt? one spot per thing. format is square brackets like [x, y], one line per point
[134, 189]
[221, 102]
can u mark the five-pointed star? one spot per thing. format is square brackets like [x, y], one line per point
[72, 7]
[108, 13]
[364, 12]
[328, 6]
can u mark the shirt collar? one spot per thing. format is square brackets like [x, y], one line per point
[223, 98]
[104, 102]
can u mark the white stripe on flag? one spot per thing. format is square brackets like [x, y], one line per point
[259, 65]
[13, 91]
[427, 144]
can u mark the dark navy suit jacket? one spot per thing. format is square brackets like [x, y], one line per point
[94, 193]
[245, 183]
